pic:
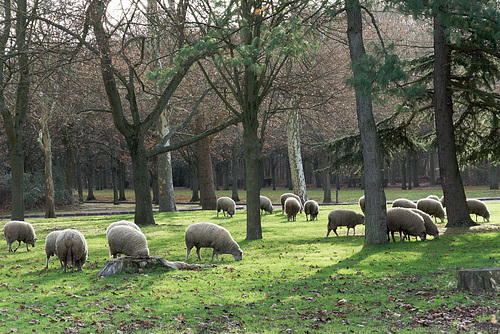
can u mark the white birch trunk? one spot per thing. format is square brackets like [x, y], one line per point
[294, 156]
[166, 198]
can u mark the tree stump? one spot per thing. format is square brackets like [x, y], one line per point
[134, 264]
[479, 279]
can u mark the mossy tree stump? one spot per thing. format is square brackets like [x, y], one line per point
[479, 279]
[134, 264]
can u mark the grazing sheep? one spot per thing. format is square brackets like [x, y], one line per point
[431, 207]
[434, 197]
[311, 208]
[50, 246]
[19, 231]
[226, 204]
[287, 195]
[404, 203]
[478, 208]
[71, 249]
[344, 217]
[126, 240]
[265, 204]
[213, 236]
[122, 223]
[292, 207]
[361, 202]
[430, 227]
[406, 222]
[442, 202]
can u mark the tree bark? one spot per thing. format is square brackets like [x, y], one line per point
[253, 163]
[46, 145]
[327, 187]
[451, 182]
[235, 172]
[479, 279]
[208, 200]
[294, 155]
[375, 203]
[493, 176]
[166, 197]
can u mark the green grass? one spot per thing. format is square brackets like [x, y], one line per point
[293, 280]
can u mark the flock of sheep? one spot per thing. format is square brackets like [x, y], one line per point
[124, 237]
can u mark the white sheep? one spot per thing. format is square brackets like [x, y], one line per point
[126, 240]
[361, 202]
[71, 249]
[434, 197]
[213, 236]
[265, 204]
[121, 223]
[431, 207]
[50, 246]
[311, 208]
[344, 217]
[406, 222]
[430, 227]
[283, 200]
[442, 202]
[478, 208]
[19, 231]
[292, 207]
[404, 203]
[226, 204]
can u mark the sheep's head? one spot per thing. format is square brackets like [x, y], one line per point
[32, 243]
[238, 256]
[422, 236]
[361, 218]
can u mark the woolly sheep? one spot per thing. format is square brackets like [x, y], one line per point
[431, 207]
[265, 204]
[126, 240]
[122, 223]
[226, 204]
[213, 236]
[71, 249]
[404, 203]
[344, 217]
[311, 208]
[442, 202]
[50, 246]
[361, 202]
[405, 222]
[284, 197]
[292, 207]
[478, 208]
[19, 231]
[430, 227]
[434, 197]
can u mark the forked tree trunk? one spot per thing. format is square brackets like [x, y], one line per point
[375, 207]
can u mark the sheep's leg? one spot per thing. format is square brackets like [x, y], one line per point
[17, 246]
[347, 231]
[198, 249]
[187, 255]
[335, 230]
[10, 247]
[327, 232]
[47, 263]
[214, 253]
[354, 231]
[27, 247]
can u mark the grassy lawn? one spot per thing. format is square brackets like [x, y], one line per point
[294, 280]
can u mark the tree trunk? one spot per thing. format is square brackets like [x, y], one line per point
[451, 182]
[479, 279]
[142, 190]
[166, 198]
[114, 175]
[294, 155]
[46, 146]
[253, 162]
[90, 181]
[208, 200]
[375, 204]
[327, 188]
[493, 176]
[195, 182]
[70, 154]
[414, 168]
[403, 174]
[121, 181]
[235, 173]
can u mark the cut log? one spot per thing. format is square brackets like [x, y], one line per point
[135, 264]
[479, 279]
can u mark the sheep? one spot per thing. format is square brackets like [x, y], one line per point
[478, 207]
[404, 203]
[406, 222]
[285, 196]
[430, 227]
[431, 207]
[71, 249]
[266, 205]
[434, 197]
[226, 204]
[126, 240]
[19, 231]
[344, 217]
[361, 202]
[50, 246]
[213, 236]
[442, 202]
[121, 223]
[311, 208]
[292, 207]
